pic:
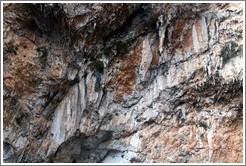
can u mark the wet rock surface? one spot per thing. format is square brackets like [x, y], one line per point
[121, 83]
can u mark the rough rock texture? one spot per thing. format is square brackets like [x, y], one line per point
[123, 83]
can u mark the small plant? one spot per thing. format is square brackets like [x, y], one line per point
[10, 50]
[107, 51]
[202, 124]
[92, 55]
[225, 53]
[121, 46]
[199, 124]
[97, 65]
[228, 51]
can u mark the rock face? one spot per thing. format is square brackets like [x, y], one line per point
[120, 83]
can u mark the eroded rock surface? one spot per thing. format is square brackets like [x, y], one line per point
[123, 83]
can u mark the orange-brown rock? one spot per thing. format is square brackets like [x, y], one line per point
[123, 83]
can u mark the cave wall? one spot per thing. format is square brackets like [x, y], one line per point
[123, 83]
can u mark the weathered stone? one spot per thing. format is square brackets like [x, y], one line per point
[123, 83]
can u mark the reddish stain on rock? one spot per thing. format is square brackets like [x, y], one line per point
[125, 78]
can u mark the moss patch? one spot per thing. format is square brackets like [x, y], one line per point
[121, 46]
[202, 124]
[10, 50]
[107, 51]
[97, 65]
[228, 51]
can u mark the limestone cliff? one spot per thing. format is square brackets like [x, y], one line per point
[123, 83]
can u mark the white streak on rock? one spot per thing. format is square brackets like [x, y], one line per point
[146, 59]
[195, 39]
